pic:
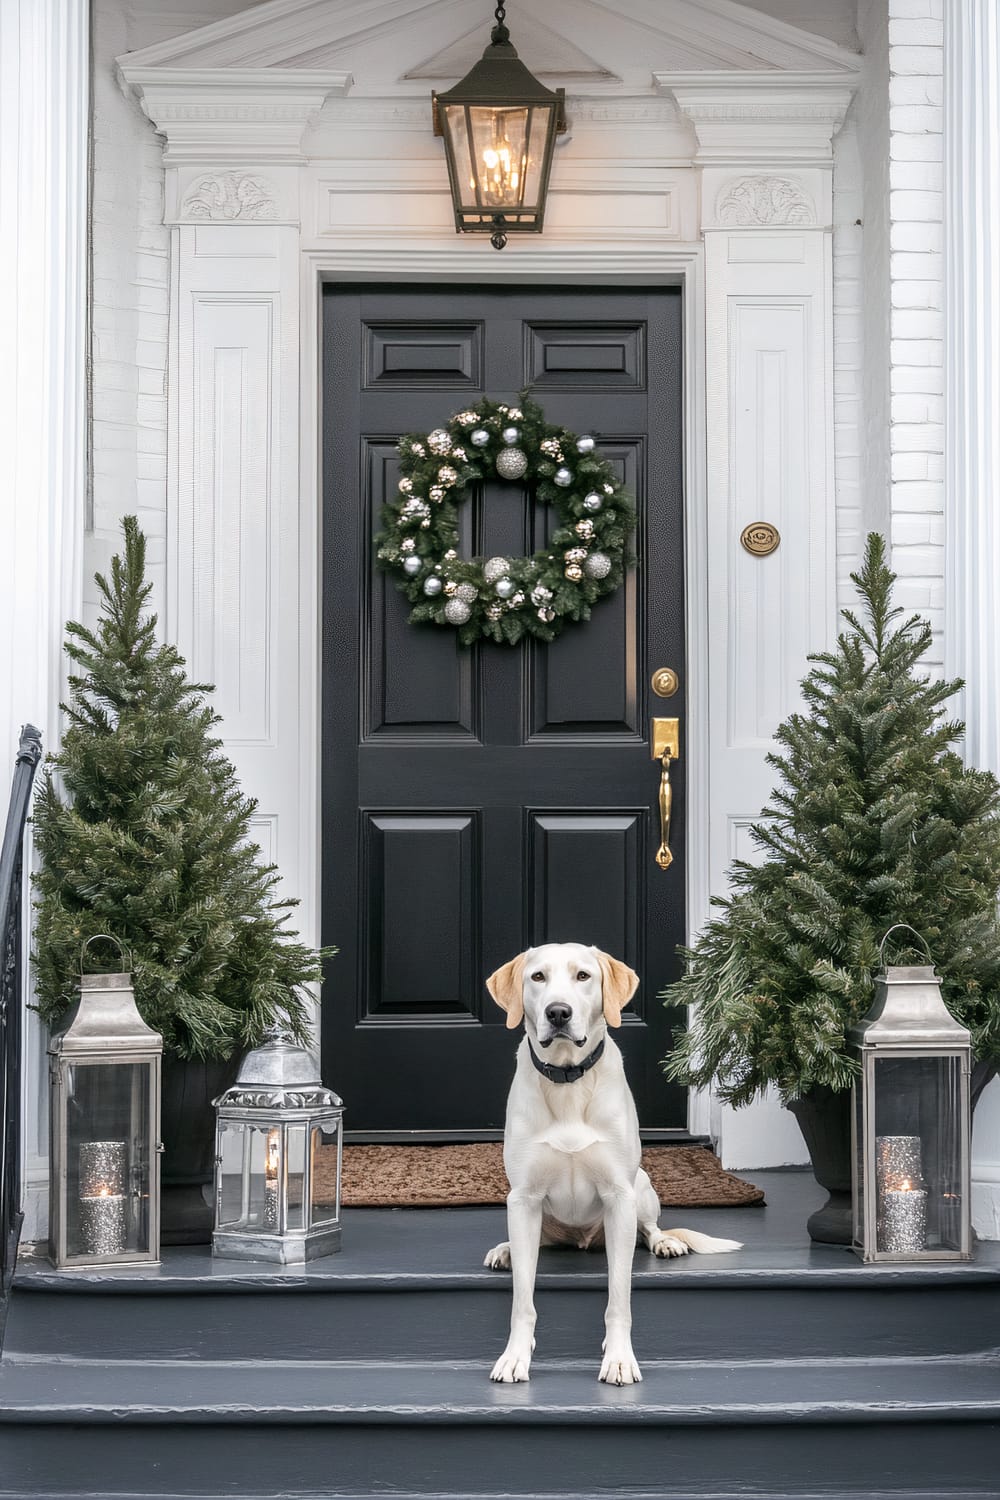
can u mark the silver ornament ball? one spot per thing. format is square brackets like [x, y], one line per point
[510, 435]
[479, 438]
[412, 566]
[457, 612]
[467, 592]
[593, 501]
[494, 568]
[598, 565]
[563, 478]
[585, 444]
[511, 463]
[505, 588]
[432, 586]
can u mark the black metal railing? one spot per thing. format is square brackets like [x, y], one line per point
[11, 1005]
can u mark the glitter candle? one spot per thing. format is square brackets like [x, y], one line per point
[897, 1160]
[102, 1168]
[103, 1224]
[902, 1226]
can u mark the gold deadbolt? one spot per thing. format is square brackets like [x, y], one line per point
[760, 538]
[665, 682]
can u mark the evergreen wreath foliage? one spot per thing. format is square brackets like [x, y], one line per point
[153, 844]
[876, 821]
[505, 598]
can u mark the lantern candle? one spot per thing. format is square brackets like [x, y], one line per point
[102, 1168]
[103, 1223]
[903, 1219]
[898, 1158]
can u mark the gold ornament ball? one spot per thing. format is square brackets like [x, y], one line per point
[573, 572]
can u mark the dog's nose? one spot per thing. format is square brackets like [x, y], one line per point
[557, 1014]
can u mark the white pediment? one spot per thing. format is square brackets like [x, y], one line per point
[398, 46]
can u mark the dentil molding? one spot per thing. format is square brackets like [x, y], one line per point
[222, 114]
[762, 119]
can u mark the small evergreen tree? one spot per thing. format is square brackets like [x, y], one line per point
[153, 845]
[876, 822]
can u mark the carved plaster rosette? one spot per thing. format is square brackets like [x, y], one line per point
[752, 202]
[228, 197]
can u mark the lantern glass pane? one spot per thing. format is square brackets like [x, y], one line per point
[107, 1159]
[918, 1118]
[461, 150]
[500, 152]
[859, 1164]
[250, 1177]
[325, 1174]
[296, 1142]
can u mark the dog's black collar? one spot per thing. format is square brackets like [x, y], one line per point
[566, 1075]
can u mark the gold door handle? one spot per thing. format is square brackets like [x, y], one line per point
[665, 749]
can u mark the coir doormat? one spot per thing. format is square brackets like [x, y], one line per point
[456, 1176]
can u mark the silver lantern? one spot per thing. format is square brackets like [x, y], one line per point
[278, 1158]
[911, 1123]
[104, 1139]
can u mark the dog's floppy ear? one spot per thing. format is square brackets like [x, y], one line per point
[505, 985]
[619, 985]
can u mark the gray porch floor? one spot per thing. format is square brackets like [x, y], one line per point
[445, 1247]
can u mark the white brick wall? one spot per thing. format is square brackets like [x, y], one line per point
[916, 431]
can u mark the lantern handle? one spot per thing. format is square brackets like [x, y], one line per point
[106, 937]
[905, 927]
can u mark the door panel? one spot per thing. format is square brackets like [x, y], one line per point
[477, 801]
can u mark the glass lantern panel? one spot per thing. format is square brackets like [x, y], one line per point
[326, 1173]
[918, 1153]
[296, 1141]
[859, 1164]
[250, 1175]
[500, 150]
[456, 125]
[107, 1159]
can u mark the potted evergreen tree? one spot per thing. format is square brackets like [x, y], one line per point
[875, 821]
[143, 833]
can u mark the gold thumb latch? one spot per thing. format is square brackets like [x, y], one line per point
[666, 747]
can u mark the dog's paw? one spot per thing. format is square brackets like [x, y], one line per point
[620, 1368]
[666, 1245]
[498, 1259]
[512, 1366]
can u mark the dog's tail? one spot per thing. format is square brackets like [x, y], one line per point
[704, 1244]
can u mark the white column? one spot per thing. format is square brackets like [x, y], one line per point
[766, 164]
[972, 434]
[44, 73]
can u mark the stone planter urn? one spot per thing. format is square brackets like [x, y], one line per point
[187, 1129]
[824, 1118]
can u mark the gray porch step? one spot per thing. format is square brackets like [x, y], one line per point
[410, 1285]
[343, 1428]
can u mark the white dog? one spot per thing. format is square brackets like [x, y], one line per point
[571, 1143]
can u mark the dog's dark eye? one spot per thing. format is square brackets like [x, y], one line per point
[583, 975]
[538, 976]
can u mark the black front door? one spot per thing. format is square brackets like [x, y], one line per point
[477, 801]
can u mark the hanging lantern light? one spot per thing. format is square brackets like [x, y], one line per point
[499, 127]
[911, 1122]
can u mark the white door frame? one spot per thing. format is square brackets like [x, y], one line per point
[561, 264]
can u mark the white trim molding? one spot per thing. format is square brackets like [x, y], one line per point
[972, 435]
[44, 73]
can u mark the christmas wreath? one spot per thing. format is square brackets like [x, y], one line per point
[505, 598]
